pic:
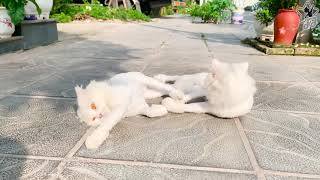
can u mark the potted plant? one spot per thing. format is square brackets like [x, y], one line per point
[16, 9]
[263, 23]
[265, 12]
[286, 23]
[214, 11]
[6, 25]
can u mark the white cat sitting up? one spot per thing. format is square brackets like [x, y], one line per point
[104, 104]
[228, 88]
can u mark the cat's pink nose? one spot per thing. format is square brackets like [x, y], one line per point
[94, 118]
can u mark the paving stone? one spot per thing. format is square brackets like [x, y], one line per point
[78, 171]
[80, 73]
[179, 139]
[176, 67]
[12, 168]
[16, 75]
[270, 177]
[311, 73]
[93, 49]
[284, 141]
[270, 72]
[281, 141]
[303, 97]
[38, 126]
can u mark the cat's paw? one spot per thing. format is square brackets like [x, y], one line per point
[172, 105]
[177, 95]
[96, 139]
[160, 77]
[157, 110]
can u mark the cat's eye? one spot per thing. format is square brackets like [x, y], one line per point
[93, 106]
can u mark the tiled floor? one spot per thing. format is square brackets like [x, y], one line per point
[41, 137]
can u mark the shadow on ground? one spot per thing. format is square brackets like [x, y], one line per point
[11, 168]
[38, 107]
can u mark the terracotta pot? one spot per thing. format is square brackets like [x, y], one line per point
[6, 26]
[286, 26]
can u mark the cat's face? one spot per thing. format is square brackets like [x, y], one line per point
[92, 107]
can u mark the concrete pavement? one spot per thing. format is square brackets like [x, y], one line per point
[41, 138]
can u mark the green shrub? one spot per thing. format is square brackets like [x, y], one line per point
[167, 10]
[268, 9]
[264, 16]
[97, 11]
[316, 32]
[62, 18]
[213, 11]
[60, 6]
[136, 15]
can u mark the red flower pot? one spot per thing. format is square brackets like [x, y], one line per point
[286, 25]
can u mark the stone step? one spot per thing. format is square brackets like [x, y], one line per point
[11, 44]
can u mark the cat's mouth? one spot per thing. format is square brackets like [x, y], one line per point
[97, 117]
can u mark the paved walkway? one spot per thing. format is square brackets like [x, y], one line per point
[40, 137]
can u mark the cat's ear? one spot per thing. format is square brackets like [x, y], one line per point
[79, 91]
[81, 94]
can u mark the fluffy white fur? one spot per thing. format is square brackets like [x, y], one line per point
[228, 88]
[104, 104]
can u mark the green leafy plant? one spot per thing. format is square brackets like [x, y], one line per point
[264, 16]
[59, 6]
[316, 32]
[16, 9]
[167, 10]
[62, 18]
[289, 4]
[97, 11]
[212, 11]
[268, 9]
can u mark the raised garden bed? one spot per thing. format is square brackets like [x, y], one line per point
[295, 50]
[11, 44]
[37, 33]
[30, 34]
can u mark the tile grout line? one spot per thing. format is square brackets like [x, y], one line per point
[159, 165]
[73, 98]
[40, 97]
[288, 82]
[249, 150]
[290, 174]
[30, 84]
[286, 111]
[156, 53]
[312, 83]
[32, 157]
[61, 166]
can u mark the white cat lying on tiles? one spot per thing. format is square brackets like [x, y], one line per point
[228, 88]
[104, 104]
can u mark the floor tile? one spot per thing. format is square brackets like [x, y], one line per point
[284, 141]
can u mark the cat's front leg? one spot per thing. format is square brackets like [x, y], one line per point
[100, 134]
[179, 107]
[96, 139]
[162, 87]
